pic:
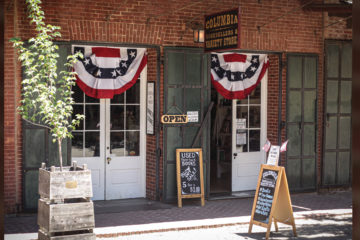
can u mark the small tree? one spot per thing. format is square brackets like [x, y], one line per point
[46, 96]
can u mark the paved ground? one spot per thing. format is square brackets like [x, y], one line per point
[316, 214]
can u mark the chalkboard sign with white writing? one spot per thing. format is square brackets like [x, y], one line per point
[190, 173]
[265, 197]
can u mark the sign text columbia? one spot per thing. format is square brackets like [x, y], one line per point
[222, 31]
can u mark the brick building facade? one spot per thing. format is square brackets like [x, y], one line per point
[278, 28]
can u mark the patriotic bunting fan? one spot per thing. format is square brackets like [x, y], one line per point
[235, 75]
[104, 71]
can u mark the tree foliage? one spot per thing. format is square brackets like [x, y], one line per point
[46, 95]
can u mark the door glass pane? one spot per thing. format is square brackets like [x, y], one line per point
[346, 61]
[78, 94]
[309, 106]
[254, 140]
[117, 142]
[294, 140]
[78, 109]
[175, 97]
[119, 98]
[132, 117]
[242, 113]
[117, 117]
[31, 189]
[132, 143]
[173, 141]
[92, 144]
[332, 97]
[308, 171]
[332, 60]
[345, 104]
[193, 69]
[345, 133]
[189, 137]
[133, 93]
[92, 117]
[293, 168]
[254, 118]
[294, 72]
[255, 95]
[175, 67]
[309, 140]
[331, 133]
[193, 99]
[54, 152]
[171, 181]
[310, 72]
[35, 147]
[329, 167]
[77, 144]
[344, 166]
[243, 101]
[205, 70]
[91, 100]
[294, 106]
[241, 140]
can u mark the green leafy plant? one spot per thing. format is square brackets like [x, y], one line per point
[46, 96]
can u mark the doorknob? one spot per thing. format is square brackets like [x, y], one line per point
[108, 159]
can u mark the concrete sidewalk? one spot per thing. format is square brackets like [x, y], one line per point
[125, 218]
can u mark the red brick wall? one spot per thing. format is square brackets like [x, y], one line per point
[161, 23]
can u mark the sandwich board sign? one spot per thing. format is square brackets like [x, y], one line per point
[272, 200]
[189, 174]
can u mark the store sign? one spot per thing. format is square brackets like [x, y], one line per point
[193, 116]
[222, 30]
[174, 119]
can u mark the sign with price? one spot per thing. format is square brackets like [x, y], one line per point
[272, 200]
[189, 172]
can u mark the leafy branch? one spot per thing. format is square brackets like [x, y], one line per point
[46, 96]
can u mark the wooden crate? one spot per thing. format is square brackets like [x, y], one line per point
[66, 216]
[43, 235]
[65, 184]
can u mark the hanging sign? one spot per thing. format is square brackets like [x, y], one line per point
[272, 200]
[189, 172]
[174, 119]
[273, 157]
[193, 116]
[222, 30]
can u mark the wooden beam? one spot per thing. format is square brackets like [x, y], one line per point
[331, 8]
[356, 121]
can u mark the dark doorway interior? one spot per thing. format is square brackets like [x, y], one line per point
[220, 165]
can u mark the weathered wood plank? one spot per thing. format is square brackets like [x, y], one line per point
[83, 236]
[65, 184]
[66, 216]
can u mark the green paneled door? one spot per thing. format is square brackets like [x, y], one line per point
[336, 164]
[38, 147]
[186, 89]
[301, 127]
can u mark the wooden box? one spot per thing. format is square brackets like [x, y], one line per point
[65, 184]
[66, 216]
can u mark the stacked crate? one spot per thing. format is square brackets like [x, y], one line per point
[65, 211]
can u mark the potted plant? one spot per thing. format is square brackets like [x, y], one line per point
[47, 101]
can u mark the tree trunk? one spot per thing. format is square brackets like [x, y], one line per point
[60, 153]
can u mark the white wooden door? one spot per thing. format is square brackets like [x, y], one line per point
[125, 143]
[248, 137]
[111, 141]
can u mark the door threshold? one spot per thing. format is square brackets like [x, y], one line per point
[232, 195]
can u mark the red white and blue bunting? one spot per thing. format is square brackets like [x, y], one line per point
[236, 75]
[105, 72]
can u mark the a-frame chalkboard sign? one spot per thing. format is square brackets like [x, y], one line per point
[189, 173]
[272, 200]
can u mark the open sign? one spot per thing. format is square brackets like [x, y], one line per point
[173, 119]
